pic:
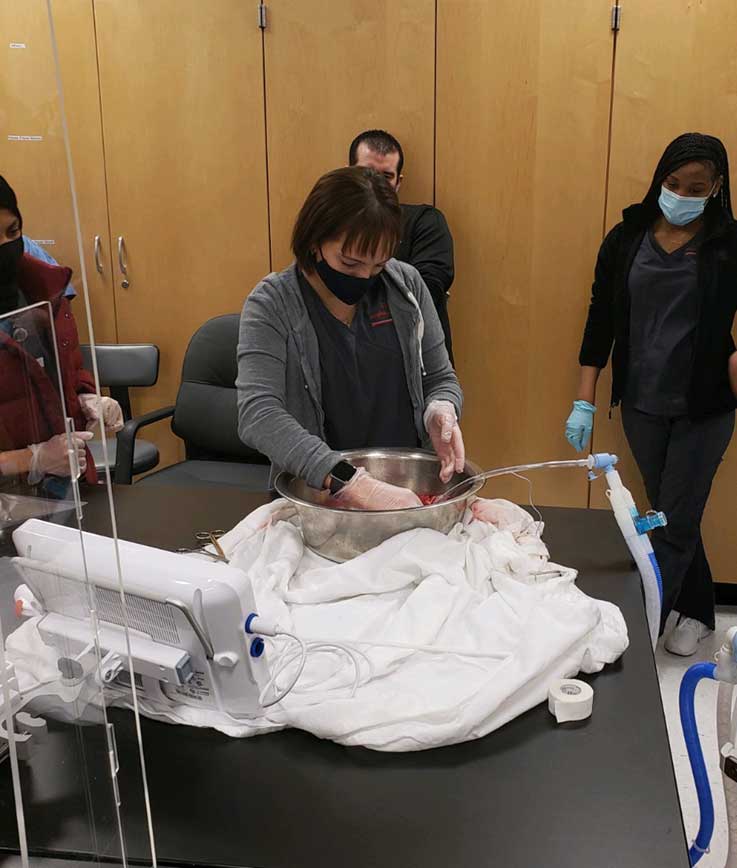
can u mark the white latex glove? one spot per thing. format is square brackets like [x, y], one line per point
[365, 492]
[441, 423]
[51, 458]
[107, 409]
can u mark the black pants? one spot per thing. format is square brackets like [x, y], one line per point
[678, 459]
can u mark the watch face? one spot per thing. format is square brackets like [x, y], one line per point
[343, 471]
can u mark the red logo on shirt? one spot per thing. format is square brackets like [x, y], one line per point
[381, 316]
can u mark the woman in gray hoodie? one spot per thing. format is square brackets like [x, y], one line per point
[344, 349]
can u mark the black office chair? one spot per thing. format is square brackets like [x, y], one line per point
[205, 417]
[120, 367]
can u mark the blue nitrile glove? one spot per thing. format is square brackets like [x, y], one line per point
[580, 424]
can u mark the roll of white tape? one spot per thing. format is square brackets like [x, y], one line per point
[570, 699]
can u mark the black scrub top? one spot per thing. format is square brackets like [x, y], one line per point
[663, 317]
[365, 396]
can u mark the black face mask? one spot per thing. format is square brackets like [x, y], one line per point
[10, 256]
[346, 287]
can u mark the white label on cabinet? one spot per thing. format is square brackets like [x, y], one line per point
[25, 138]
[17, 45]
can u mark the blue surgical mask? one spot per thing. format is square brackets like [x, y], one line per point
[680, 210]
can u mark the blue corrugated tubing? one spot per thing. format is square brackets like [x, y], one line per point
[656, 567]
[696, 756]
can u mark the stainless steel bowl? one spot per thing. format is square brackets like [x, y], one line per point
[342, 534]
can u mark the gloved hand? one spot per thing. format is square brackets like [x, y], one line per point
[580, 425]
[441, 423]
[107, 409]
[365, 492]
[51, 458]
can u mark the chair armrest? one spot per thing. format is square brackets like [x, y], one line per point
[127, 442]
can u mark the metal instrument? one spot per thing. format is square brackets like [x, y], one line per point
[205, 538]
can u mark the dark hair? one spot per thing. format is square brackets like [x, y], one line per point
[378, 141]
[694, 148]
[356, 202]
[8, 200]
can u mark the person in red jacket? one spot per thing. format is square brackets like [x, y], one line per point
[34, 449]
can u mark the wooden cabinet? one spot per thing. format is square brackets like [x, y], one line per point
[168, 144]
[522, 130]
[333, 70]
[181, 86]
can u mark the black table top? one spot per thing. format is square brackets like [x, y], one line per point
[597, 793]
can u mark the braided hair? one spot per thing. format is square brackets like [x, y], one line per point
[690, 148]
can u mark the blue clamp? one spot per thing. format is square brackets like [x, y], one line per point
[249, 621]
[645, 523]
[257, 647]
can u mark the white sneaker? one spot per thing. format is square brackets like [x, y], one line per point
[685, 638]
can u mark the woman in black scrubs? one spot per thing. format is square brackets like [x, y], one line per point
[664, 294]
[344, 350]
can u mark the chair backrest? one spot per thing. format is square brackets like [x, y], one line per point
[206, 414]
[121, 366]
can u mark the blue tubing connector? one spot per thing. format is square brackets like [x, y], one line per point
[696, 756]
[646, 523]
[604, 461]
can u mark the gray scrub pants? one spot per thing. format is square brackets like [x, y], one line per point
[678, 459]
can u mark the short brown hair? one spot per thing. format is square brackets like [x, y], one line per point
[356, 202]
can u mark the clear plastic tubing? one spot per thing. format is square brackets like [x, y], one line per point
[519, 468]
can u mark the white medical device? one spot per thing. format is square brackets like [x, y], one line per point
[185, 619]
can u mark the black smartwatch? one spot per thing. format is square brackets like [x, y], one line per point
[340, 475]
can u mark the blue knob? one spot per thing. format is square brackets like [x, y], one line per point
[249, 621]
[257, 647]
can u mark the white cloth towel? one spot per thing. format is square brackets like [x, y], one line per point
[482, 588]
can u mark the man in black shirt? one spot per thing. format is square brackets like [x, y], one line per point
[426, 240]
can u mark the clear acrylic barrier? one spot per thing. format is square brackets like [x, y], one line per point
[53, 704]
[64, 642]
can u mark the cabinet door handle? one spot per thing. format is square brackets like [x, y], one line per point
[122, 262]
[98, 263]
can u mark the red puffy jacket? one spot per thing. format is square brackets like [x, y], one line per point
[30, 409]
